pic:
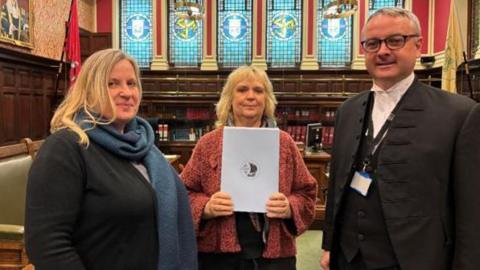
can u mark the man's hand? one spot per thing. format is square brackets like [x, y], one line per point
[220, 204]
[325, 260]
[278, 206]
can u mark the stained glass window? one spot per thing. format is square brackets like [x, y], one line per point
[284, 35]
[334, 41]
[234, 32]
[185, 39]
[136, 30]
[378, 4]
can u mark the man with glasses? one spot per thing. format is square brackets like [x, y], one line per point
[397, 198]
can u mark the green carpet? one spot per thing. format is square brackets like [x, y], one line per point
[309, 250]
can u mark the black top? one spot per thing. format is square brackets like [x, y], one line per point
[250, 239]
[88, 209]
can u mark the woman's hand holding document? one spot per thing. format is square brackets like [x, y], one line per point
[278, 206]
[220, 204]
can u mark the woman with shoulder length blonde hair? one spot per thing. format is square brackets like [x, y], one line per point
[231, 240]
[224, 105]
[100, 194]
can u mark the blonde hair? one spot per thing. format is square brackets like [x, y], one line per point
[396, 12]
[90, 93]
[224, 105]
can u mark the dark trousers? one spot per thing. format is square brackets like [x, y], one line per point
[235, 261]
[357, 263]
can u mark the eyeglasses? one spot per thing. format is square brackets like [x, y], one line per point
[394, 42]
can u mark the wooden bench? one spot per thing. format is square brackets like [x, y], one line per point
[15, 162]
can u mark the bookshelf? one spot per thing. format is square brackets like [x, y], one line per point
[183, 123]
[179, 125]
[294, 119]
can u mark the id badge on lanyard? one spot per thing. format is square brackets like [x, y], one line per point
[362, 180]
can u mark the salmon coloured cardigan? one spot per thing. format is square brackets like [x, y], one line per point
[201, 176]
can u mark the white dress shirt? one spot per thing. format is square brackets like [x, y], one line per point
[386, 100]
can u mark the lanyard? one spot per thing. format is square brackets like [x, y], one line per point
[381, 134]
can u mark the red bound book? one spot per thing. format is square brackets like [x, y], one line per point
[325, 136]
[303, 132]
[298, 133]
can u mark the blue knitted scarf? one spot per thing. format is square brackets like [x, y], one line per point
[176, 236]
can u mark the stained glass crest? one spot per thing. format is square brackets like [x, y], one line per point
[284, 26]
[334, 29]
[235, 27]
[185, 29]
[138, 27]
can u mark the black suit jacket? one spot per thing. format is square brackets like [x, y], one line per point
[421, 179]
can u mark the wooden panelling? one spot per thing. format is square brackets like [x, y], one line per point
[165, 86]
[7, 120]
[24, 114]
[148, 86]
[8, 76]
[339, 87]
[24, 79]
[321, 85]
[289, 86]
[37, 80]
[39, 117]
[26, 95]
[49, 82]
[101, 41]
[293, 85]
[92, 42]
[354, 85]
[308, 87]
[197, 86]
[212, 86]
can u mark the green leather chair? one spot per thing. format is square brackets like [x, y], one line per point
[15, 162]
[13, 183]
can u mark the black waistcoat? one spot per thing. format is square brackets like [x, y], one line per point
[361, 220]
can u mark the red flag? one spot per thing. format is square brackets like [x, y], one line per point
[73, 43]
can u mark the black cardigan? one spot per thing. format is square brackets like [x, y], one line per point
[88, 209]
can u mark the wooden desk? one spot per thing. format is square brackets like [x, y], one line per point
[317, 165]
[174, 161]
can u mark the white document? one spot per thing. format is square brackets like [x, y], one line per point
[250, 166]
